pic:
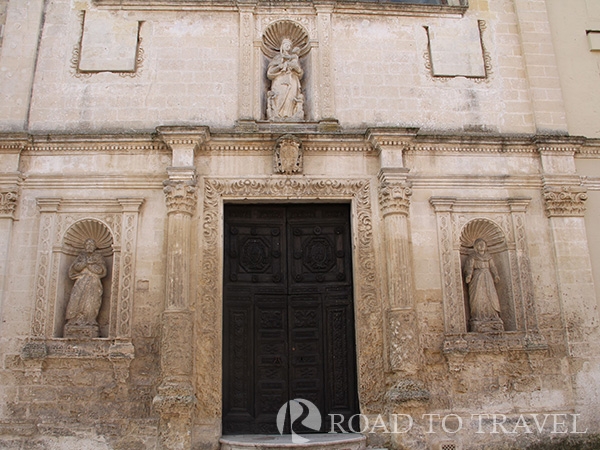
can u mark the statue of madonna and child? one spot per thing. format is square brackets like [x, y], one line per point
[285, 100]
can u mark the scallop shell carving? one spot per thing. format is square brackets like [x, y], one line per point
[79, 232]
[484, 229]
[280, 30]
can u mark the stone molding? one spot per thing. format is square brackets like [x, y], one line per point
[370, 141]
[457, 7]
[369, 308]
[565, 201]
[57, 215]
[509, 215]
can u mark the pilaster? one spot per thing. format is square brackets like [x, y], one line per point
[10, 181]
[326, 91]
[394, 201]
[540, 65]
[176, 400]
[564, 200]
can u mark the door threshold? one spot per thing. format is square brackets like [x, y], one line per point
[333, 441]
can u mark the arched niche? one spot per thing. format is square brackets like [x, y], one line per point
[492, 234]
[271, 43]
[73, 243]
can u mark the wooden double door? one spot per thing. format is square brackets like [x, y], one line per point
[288, 318]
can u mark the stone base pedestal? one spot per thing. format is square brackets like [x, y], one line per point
[81, 331]
[486, 326]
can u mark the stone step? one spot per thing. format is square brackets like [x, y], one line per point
[330, 441]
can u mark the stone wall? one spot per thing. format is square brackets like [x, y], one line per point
[133, 122]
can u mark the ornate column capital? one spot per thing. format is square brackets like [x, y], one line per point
[180, 197]
[565, 201]
[180, 190]
[394, 192]
[8, 202]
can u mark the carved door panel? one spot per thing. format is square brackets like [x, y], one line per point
[288, 322]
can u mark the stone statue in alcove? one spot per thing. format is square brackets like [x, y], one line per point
[285, 101]
[481, 275]
[86, 296]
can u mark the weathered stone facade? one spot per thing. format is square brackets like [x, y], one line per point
[441, 123]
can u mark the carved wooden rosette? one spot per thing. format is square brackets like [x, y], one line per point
[369, 311]
[565, 201]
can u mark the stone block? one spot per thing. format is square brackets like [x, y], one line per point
[456, 49]
[109, 43]
[594, 39]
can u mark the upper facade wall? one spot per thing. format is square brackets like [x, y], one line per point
[432, 68]
[576, 35]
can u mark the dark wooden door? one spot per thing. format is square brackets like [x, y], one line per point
[288, 319]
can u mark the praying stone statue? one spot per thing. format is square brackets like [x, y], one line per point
[285, 101]
[482, 276]
[86, 297]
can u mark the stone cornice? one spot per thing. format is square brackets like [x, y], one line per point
[370, 141]
[97, 143]
[310, 6]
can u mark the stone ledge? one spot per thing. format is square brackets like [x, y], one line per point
[493, 342]
[78, 348]
[335, 441]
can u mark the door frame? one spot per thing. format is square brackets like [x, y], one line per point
[368, 307]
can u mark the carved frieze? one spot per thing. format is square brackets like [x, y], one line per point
[565, 201]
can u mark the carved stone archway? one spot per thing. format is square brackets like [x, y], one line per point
[368, 305]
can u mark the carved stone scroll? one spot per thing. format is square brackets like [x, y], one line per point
[565, 201]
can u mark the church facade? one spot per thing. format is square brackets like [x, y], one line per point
[212, 208]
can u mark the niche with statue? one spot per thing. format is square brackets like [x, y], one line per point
[86, 273]
[485, 267]
[286, 79]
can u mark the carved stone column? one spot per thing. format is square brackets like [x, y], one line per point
[403, 336]
[176, 400]
[394, 200]
[10, 179]
[564, 201]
